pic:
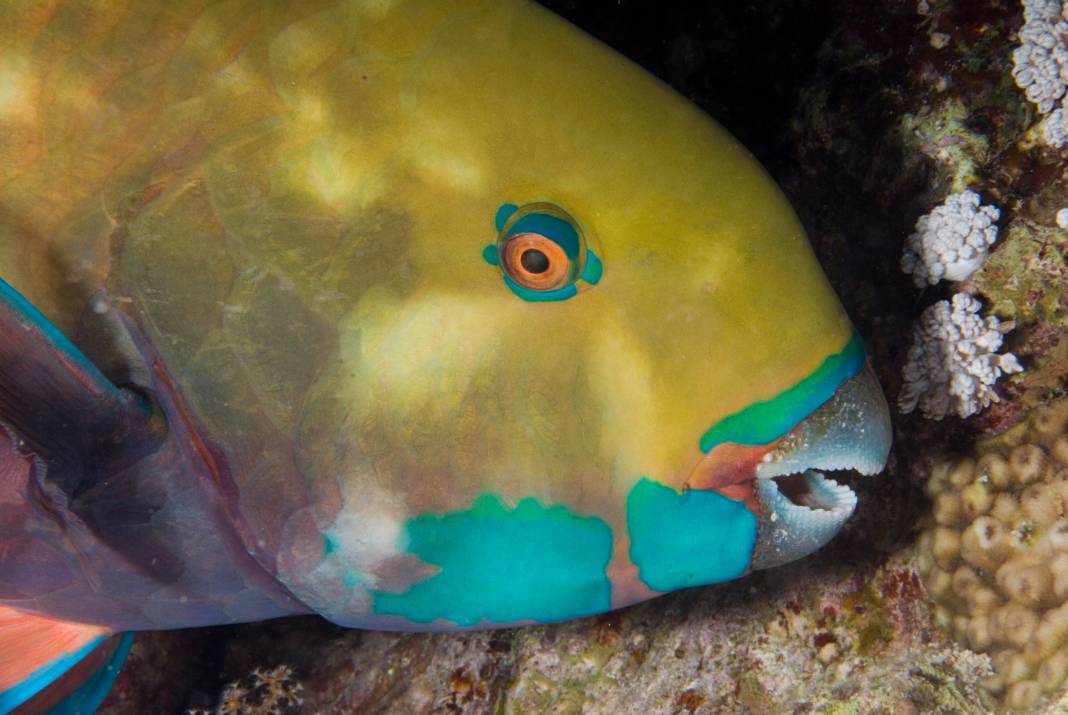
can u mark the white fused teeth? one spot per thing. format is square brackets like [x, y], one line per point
[850, 431]
[790, 531]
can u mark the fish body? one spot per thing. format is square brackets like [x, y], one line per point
[415, 314]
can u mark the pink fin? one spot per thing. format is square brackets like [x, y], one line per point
[36, 652]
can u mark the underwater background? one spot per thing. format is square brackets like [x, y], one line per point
[868, 115]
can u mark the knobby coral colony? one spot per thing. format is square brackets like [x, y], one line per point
[995, 560]
[1040, 65]
[953, 362]
[952, 241]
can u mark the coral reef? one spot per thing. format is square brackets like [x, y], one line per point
[270, 691]
[1041, 64]
[952, 241]
[157, 674]
[995, 559]
[953, 362]
[824, 642]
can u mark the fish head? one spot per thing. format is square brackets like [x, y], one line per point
[450, 317]
[618, 344]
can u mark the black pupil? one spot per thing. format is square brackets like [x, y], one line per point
[534, 261]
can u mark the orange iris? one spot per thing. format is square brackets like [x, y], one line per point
[535, 262]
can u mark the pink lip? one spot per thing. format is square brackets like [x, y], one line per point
[729, 469]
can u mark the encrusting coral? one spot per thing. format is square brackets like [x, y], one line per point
[995, 561]
[953, 362]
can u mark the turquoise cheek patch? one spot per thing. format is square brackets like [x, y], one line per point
[501, 565]
[689, 539]
[764, 422]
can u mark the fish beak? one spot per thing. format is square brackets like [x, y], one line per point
[800, 509]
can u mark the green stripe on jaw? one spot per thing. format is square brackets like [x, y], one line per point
[764, 422]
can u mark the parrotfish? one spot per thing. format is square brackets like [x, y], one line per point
[413, 314]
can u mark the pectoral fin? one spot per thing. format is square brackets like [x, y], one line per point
[55, 401]
[56, 667]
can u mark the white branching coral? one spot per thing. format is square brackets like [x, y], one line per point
[953, 363]
[952, 241]
[1040, 64]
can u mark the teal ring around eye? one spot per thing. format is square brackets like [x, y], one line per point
[556, 224]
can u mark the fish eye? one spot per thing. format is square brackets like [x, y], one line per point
[535, 262]
[542, 252]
